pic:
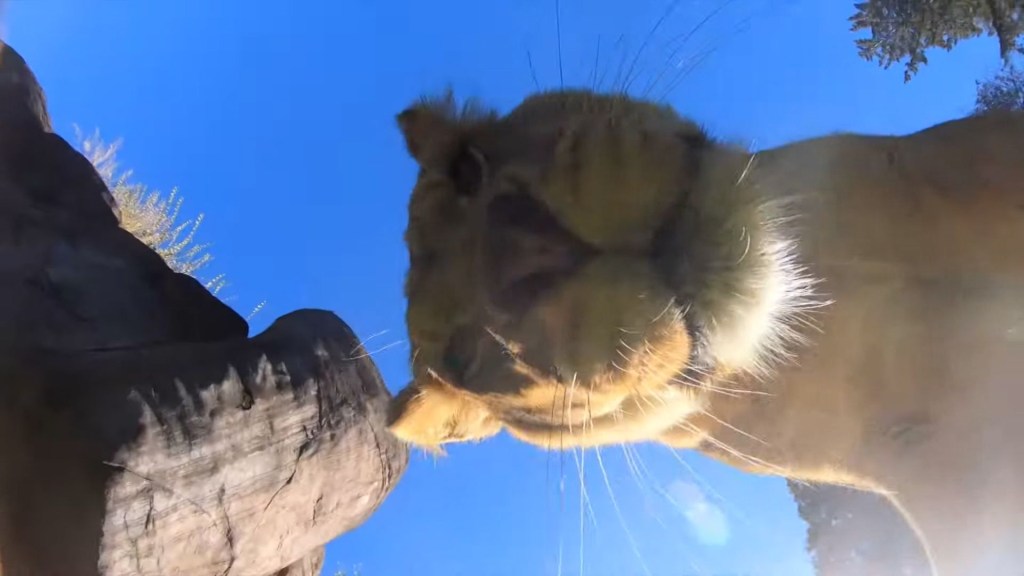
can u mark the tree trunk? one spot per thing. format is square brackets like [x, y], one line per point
[141, 430]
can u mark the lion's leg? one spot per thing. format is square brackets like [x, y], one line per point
[967, 531]
[961, 487]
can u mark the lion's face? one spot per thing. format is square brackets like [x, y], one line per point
[572, 280]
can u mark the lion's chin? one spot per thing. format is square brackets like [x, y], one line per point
[636, 419]
[601, 359]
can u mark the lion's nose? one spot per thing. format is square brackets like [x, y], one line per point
[527, 251]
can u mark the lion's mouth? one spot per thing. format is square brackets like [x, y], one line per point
[534, 268]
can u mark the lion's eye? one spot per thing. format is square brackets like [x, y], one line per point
[467, 172]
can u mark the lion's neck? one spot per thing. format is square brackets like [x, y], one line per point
[911, 385]
[799, 430]
[778, 412]
[746, 291]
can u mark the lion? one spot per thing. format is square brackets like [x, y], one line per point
[593, 269]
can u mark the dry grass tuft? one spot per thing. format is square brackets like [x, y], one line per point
[152, 217]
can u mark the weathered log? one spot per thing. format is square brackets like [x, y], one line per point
[141, 430]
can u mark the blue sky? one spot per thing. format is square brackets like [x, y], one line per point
[277, 121]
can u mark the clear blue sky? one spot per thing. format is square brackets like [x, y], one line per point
[277, 121]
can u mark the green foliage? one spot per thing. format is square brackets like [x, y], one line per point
[1004, 91]
[853, 533]
[906, 29]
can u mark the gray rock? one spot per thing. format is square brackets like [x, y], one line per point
[141, 430]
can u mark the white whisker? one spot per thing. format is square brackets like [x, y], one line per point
[733, 428]
[708, 488]
[370, 353]
[752, 460]
[618, 512]
[629, 75]
[671, 303]
[746, 169]
[644, 489]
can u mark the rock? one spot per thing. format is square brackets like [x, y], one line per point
[141, 430]
[70, 277]
[22, 96]
[309, 566]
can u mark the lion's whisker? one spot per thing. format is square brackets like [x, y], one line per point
[683, 379]
[561, 475]
[668, 306]
[567, 408]
[746, 170]
[629, 74]
[618, 512]
[370, 353]
[583, 499]
[730, 392]
[749, 459]
[604, 73]
[703, 55]
[533, 70]
[700, 387]
[644, 489]
[371, 337]
[708, 488]
[558, 34]
[685, 37]
[581, 464]
[632, 467]
[682, 73]
[655, 485]
[733, 428]
[548, 440]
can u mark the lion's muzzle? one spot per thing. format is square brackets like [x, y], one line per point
[527, 251]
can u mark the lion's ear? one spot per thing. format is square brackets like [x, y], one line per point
[429, 414]
[437, 131]
[432, 132]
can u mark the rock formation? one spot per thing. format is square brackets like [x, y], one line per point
[142, 431]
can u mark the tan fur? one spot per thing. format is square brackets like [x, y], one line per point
[847, 309]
